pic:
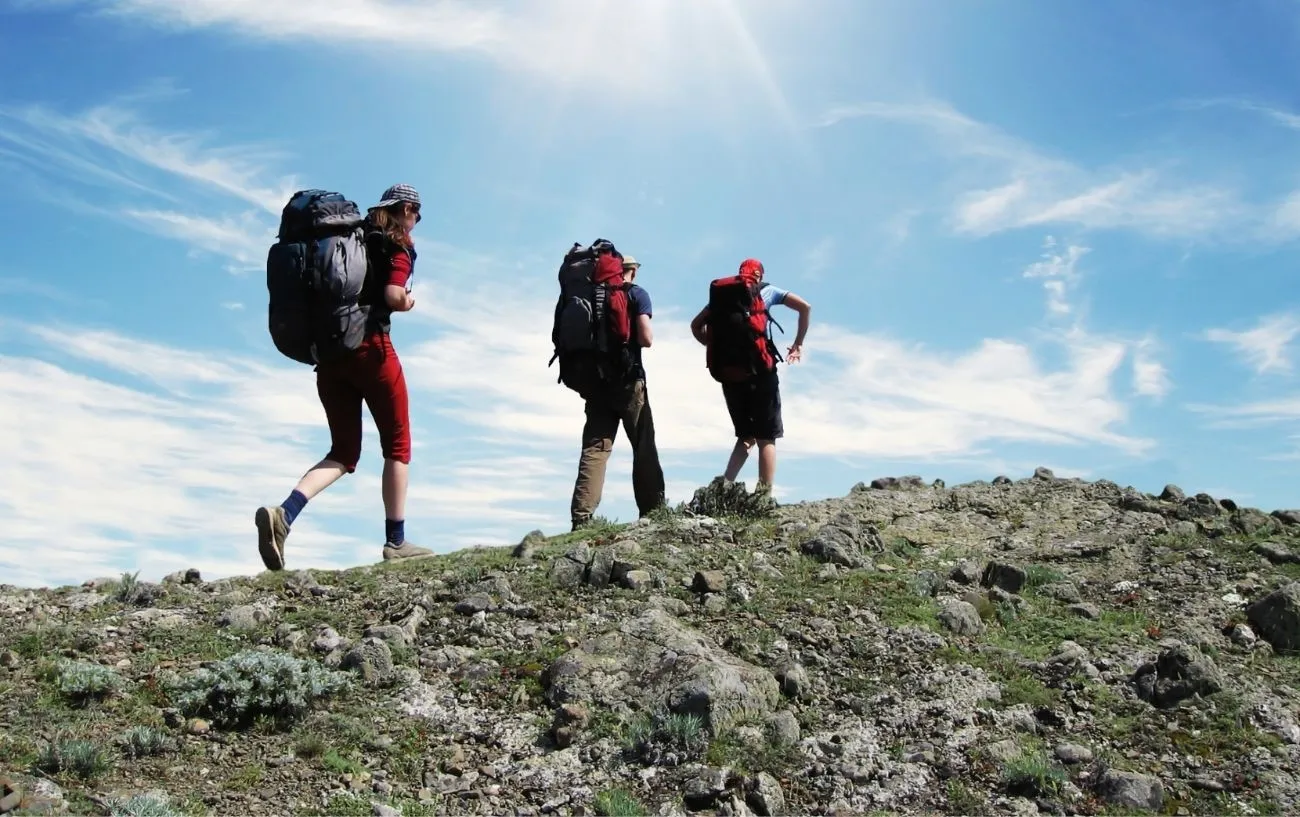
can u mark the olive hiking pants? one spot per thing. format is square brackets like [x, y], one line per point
[629, 406]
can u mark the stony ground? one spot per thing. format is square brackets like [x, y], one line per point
[1015, 647]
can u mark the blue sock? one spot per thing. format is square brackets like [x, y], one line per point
[293, 506]
[395, 532]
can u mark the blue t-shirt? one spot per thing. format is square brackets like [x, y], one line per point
[772, 295]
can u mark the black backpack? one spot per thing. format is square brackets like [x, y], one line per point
[591, 331]
[315, 274]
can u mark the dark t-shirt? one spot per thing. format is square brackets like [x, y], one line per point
[638, 303]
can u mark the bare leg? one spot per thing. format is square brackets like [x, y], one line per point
[321, 476]
[395, 480]
[738, 456]
[766, 461]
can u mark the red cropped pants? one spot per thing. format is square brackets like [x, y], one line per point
[373, 375]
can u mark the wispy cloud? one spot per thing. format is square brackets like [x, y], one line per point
[243, 239]
[1060, 273]
[677, 44]
[1267, 347]
[144, 176]
[98, 139]
[1030, 188]
[1150, 377]
[1279, 116]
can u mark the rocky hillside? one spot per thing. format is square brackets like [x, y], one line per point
[1014, 647]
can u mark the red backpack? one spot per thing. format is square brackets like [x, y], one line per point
[739, 335]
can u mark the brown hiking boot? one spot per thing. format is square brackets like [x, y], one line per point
[271, 533]
[405, 550]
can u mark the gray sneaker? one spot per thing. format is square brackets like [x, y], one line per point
[405, 550]
[272, 530]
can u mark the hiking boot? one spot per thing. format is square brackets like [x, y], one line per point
[405, 550]
[272, 530]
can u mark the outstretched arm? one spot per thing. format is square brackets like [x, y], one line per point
[805, 311]
[698, 329]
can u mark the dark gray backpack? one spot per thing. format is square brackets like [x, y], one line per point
[315, 274]
[592, 329]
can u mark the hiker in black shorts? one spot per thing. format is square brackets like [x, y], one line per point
[743, 358]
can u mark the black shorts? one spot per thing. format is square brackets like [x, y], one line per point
[755, 407]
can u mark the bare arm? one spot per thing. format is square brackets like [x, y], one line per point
[644, 334]
[698, 329]
[398, 299]
[805, 311]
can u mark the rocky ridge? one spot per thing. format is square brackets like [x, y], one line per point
[1026, 646]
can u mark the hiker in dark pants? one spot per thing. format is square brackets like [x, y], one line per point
[754, 402]
[373, 375]
[630, 406]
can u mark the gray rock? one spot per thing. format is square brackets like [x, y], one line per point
[709, 581]
[526, 547]
[1276, 618]
[327, 640]
[601, 570]
[1131, 790]
[570, 570]
[1073, 753]
[1088, 611]
[1007, 577]
[1276, 553]
[783, 729]
[763, 794]
[637, 580]
[968, 572]
[844, 541]
[1044, 473]
[667, 665]
[961, 617]
[394, 635]
[372, 659]
[1172, 493]
[1290, 517]
[243, 617]
[793, 679]
[1177, 674]
[477, 603]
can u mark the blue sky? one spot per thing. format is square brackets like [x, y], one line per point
[1033, 234]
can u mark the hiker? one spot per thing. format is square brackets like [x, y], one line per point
[614, 392]
[734, 328]
[365, 370]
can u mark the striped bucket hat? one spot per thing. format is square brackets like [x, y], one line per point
[397, 194]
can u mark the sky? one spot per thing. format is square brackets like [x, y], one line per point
[1032, 234]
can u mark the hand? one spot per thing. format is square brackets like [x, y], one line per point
[794, 353]
[410, 302]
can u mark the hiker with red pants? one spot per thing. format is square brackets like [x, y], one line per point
[355, 362]
[740, 354]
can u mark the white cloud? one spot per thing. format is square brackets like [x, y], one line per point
[1060, 273]
[1266, 348]
[856, 395]
[243, 239]
[98, 139]
[154, 458]
[1029, 188]
[706, 47]
[1150, 377]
